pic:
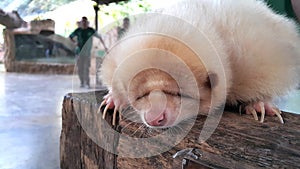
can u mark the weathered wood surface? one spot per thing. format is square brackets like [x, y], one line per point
[238, 142]
[77, 149]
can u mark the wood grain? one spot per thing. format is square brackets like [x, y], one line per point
[238, 141]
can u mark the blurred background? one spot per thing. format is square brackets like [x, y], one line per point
[33, 84]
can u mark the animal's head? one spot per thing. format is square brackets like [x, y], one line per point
[163, 101]
[164, 80]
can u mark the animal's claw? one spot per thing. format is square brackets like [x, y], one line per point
[101, 105]
[114, 116]
[105, 111]
[278, 114]
[251, 110]
[109, 104]
[120, 115]
[263, 108]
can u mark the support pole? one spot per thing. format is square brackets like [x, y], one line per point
[96, 8]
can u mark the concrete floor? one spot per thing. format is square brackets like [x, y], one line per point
[30, 118]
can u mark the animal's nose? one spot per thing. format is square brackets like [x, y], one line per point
[160, 121]
[155, 116]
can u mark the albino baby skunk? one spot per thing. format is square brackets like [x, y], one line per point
[197, 56]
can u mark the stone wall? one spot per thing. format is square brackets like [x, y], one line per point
[37, 25]
[49, 68]
[12, 64]
[9, 54]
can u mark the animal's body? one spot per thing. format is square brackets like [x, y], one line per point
[210, 53]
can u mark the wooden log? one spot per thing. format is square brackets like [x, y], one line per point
[77, 149]
[237, 142]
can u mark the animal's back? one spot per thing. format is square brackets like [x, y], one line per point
[262, 48]
[253, 51]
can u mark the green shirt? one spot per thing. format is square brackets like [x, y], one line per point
[83, 37]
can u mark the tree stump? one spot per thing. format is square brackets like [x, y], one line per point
[238, 141]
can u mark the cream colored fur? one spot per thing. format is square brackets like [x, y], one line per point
[254, 52]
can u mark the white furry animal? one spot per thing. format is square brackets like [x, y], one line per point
[200, 54]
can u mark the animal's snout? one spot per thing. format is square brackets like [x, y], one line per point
[155, 116]
[160, 121]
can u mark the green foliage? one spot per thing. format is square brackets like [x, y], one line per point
[123, 9]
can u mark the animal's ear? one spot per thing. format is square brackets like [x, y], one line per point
[211, 80]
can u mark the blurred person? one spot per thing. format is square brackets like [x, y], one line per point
[122, 30]
[83, 51]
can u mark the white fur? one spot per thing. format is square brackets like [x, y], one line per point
[254, 51]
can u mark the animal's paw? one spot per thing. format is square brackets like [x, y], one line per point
[264, 108]
[108, 102]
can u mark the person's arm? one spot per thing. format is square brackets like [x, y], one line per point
[101, 40]
[71, 38]
[72, 35]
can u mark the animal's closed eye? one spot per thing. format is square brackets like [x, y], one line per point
[144, 95]
[186, 96]
[174, 94]
[178, 94]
